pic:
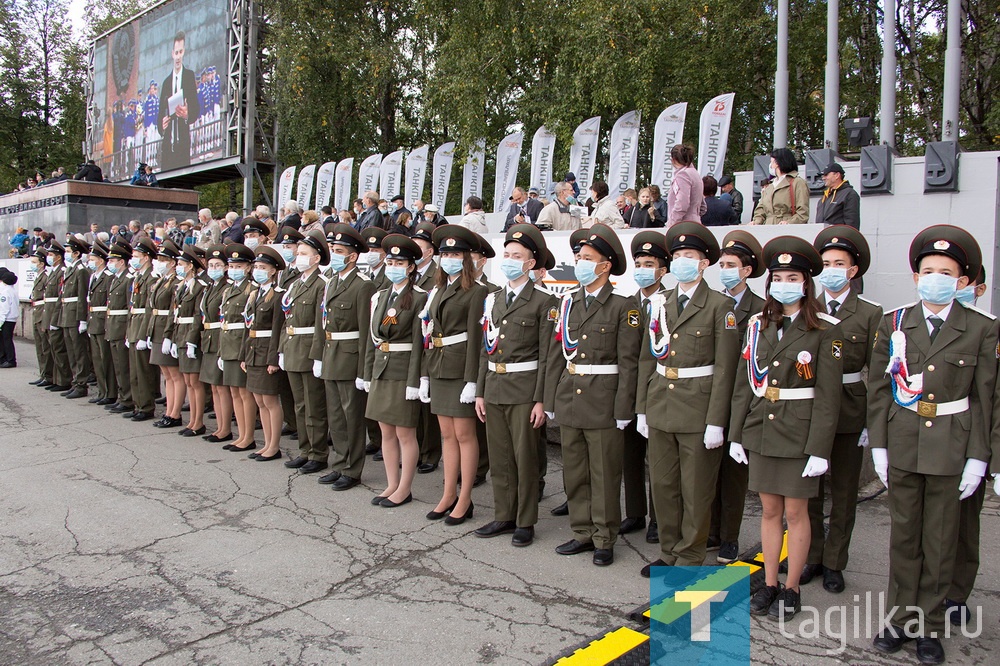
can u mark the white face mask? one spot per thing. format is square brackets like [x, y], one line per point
[252, 243]
[303, 263]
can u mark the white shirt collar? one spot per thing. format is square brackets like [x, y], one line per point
[737, 297]
[689, 293]
[516, 290]
[943, 315]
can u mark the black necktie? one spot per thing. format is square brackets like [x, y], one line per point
[510, 298]
[588, 301]
[834, 306]
[392, 299]
[936, 323]
[785, 323]
[681, 302]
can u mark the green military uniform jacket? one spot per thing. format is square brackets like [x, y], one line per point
[161, 309]
[211, 315]
[139, 300]
[454, 311]
[288, 276]
[609, 333]
[185, 326]
[119, 290]
[267, 315]
[859, 320]
[393, 365]
[73, 295]
[53, 287]
[703, 334]
[234, 300]
[301, 303]
[960, 363]
[97, 301]
[791, 428]
[429, 279]
[344, 308]
[379, 280]
[523, 333]
[748, 305]
[38, 301]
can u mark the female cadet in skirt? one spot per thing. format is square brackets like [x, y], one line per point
[234, 333]
[785, 409]
[211, 317]
[158, 331]
[187, 335]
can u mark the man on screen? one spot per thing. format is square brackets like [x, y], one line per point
[176, 132]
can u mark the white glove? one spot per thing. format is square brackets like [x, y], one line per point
[621, 425]
[641, 426]
[713, 437]
[281, 361]
[425, 389]
[141, 345]
[165, 347]
[468, 394]
[359, 383]
[367, 386]
[413, 394]
[317, 369]
[972, 476]
[996, 484]
[83, 327]
[551, 416]
[53, 328]
[173, 350]
[880, 457]
[737, 453]
[192, 350]
[221, 363]
[815, 466]
[127, 345]
[863, 440]
[149, 343]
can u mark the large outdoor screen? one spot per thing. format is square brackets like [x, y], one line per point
[159, 84]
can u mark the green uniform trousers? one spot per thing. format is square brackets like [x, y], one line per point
[429, 436]
[845, 475]
[78, 348]
[967, 555]
[513, 455]
[287, 402]
[484, 453]
[104, 367]
[61, 373]
[120, 360]
[43, 351]
[592, 476]
[310, 415]
[634, 476]
[345, 412]
[730, 499]
[145, 381]
[682, 473]
[543, 456]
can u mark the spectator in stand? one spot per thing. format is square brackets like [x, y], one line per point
[211, 232]
[231, 229]
[90, 172]
[326, 216]
[605, 211]
[10, 308]
[658, 202]
[293, 215]
[402, 224]
[630, 201]
[840, 203]
[187, 232]
[686, 201]
[358, 207]
[91, 235]
[383, 210]
[370, 215]
[646, 215]
[731, 195]
[135, 231]
[557, 215]
[19, 243]
[718, 212]
[523, 209]
[418, 209]
[397, 206]
[61, 174]
[347, 217]
[474, 218]
[432, 215]
[785, 200]
[571, 179]
[174, 232]
[310, 221]
[36, 241]
[263, 213]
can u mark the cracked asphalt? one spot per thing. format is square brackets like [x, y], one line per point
[122, 544]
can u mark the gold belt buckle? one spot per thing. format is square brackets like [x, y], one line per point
[437, 341]
[225, 326]
[772, 393]
[501, 369]
[672, 373]
[383, 347]
[571, 368]
[926, 409]
[290, 330]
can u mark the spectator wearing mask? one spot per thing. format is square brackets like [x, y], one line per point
[474, 218]
[717, 212]
[731, 195]
[631, 198]
[686, 201]
[785, 200]
[570, 178]
[383, 211]
[402, 224]
[557, 215]
[397, 206]
[310, 221]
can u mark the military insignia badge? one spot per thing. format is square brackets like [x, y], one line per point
[941, 245]
[450, 242]
[998, 350]
[516, 234]
[340, 236]
[395, 250]
[633, 318]
[730, 321]
[876, 342]
[837, 348]
[784, 258]
[553, 314]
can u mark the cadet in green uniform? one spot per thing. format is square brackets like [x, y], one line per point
[649, 251]
[186, 335]
[429, 430]
[234, 333]
[479, 259]
[846, 257]
[73, 315]
[97, 315]
[689, 353]
[517, 334]
[785, 409]
[929, 414]
[339, 357]
[43, 351]
[300, 305]
[119, 290]
[62, 376]
[595, 363]
[289, 238]
[259, 356]
[392, 369]
[141, 374]
[374, 259]
[211, 336]
[160, 322]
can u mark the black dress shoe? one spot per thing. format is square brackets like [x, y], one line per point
[37, 382]
[604, 556]
[645, 571]
[833, 580]
[253, 456]
[345, 482]
[630, 525]
[574, 547]
[496, 528]
[729, 552]
[129, 413]
[120, 409]
[312, 467]
[95, 399]
[809, 572]
[371, 448]
[389, 504]
[959, 614]
[786, 605]
[438, 515]
[44, 383]
[378, 456]
[523, 536]
[142, 416]
[652, 533]
[561, 510]
[329, 478]
[890, 639]
[8, 364]
[760, 602]
[251, 447]
[228, 447]
[73, 390]
[930, 651]
[188, 432]
[261, 458]
[213, 438]
[426, 468]
[377, 500]
[287, 430]
[458, 520]
[103, 402]
[168, 422]
[713, 543]
[58, 388]
[160, 401]
[296, 462]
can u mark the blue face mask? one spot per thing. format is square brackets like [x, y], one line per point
[113, 269]
[585, 271]
[288, 253]
[512, 269]
[134, 263]
[833, 279]
[966, 295]
[338, 262]
[216, 273]
[260, 275]
[181, 271]
[787, 293]
[644, 277]
[937, 288]
[685, 269]
[92, 265]
[237, 274]
[730, 277]
[395, 274]
[451, 265]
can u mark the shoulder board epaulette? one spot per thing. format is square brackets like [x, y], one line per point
[901, 307]
[324, 277]
[202, 282]
[542, 289]
[419, 289]
[570, 291]
[982, 312]
[364, 276]
[869, 302]
[277, 289]
[826, 317]
[754, 317]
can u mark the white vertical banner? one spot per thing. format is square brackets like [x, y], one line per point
[368, 174]
[416, 172]
[390, 176]
[543, 147]
[713, 135]
[583, 153]
[508, 155]
[324, 184]
[472, 174]
[304, 194]
[669, 131]
[285, 184]
[444, 158]
[342, 184]
[624, 151]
